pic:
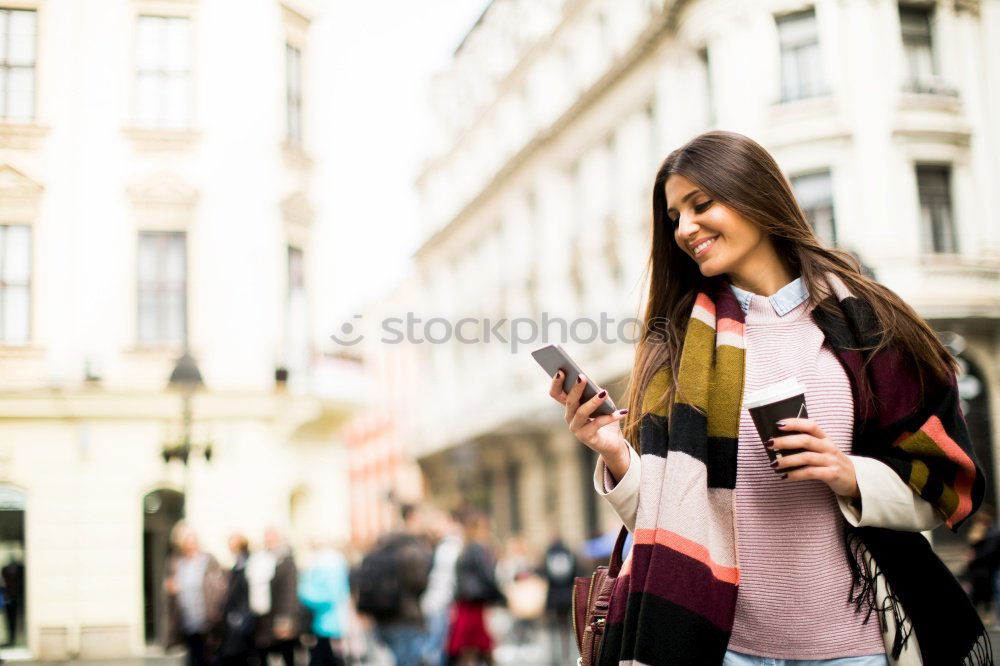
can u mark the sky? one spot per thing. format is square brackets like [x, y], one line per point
[369, 122]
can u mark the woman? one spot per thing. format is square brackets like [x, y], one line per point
[743, 296]
[324, 590]
[469, 640]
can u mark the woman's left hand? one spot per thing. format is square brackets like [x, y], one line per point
[821, 460]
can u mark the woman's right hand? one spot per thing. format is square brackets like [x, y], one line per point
[600, 433]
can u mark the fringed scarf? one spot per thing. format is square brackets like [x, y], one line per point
[675, 599]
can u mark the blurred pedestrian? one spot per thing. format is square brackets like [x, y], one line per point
[273, 582]
[238, 619]
[559, 566]
[469, 639]
[196, 588]
[524, 588]
[13, 583]
[324, 589]
[446, 535]
[390, 580]
[980, 575]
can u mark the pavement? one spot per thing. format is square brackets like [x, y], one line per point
[533, 648]
[533, 652]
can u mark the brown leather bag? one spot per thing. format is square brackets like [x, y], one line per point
[591, 603]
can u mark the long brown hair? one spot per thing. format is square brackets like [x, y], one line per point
[736, 171]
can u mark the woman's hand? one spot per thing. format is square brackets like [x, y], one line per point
[600, 433]
[822, 459]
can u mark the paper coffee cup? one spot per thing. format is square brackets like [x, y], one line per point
[770, 404]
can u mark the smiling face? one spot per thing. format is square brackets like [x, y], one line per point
[716, 237]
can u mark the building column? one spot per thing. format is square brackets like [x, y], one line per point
[570, 514]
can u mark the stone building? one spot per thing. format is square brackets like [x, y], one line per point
[552, 119]
[156, 164]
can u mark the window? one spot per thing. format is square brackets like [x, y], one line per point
[296, 317]
[801, 69]
[814, 193]
[293, 93]
[611, 249]
[652, 136]
[936, 221]
[15, 283]
[17, 64]
[163, 72]
[587, 460]
[514, 495]
[915, 25]
[162, 285]
[706, 81]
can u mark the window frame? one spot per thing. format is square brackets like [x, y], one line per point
[161, 339]
[925, 199]
[6, 67]
[294, 106]
[164, 75]
[813, 173]
[796, 48]
[914, 83]
[27, 286]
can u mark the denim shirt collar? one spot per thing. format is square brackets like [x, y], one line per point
[784, 301]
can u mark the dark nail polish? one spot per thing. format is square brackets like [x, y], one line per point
[774, 463]
[785, 475]
[578, 379]
[781, 424]
[602, 394]
[624, 412]
[769, 443]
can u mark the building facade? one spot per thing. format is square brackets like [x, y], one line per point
[553, 118]
[156, 164]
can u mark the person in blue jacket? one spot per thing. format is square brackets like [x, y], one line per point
[324, 590]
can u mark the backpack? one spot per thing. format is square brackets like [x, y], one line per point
[379, 589]
[560, 566]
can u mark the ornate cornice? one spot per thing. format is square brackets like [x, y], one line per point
[297, 209]
[21, 136]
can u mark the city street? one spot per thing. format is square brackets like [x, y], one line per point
[530, 654]
[534, 652]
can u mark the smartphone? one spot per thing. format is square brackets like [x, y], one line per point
[553, 358]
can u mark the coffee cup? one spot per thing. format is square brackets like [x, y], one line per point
[772, 403]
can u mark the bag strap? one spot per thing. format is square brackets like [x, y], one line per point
[616, 554]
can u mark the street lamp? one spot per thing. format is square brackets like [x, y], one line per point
[185, 379]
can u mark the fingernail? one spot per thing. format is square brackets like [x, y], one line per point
[769, 443]
[623, 412]
[781, 424]
[602, 394]
[558, 373]
[774, 463]
[785, 475]
[579, 378]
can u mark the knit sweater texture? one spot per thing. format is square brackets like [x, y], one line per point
[794, 576]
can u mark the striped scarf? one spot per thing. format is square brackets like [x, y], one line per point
[675, 598]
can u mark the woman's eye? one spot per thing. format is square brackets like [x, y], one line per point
[702, 207]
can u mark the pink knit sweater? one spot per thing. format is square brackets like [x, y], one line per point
[794, 576]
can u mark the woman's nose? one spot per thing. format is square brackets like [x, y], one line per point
[687, 228]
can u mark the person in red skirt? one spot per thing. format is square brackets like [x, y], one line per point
[469, 640]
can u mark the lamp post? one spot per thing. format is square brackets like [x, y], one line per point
[186, 380]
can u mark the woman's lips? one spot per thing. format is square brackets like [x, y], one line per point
[700, 254]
